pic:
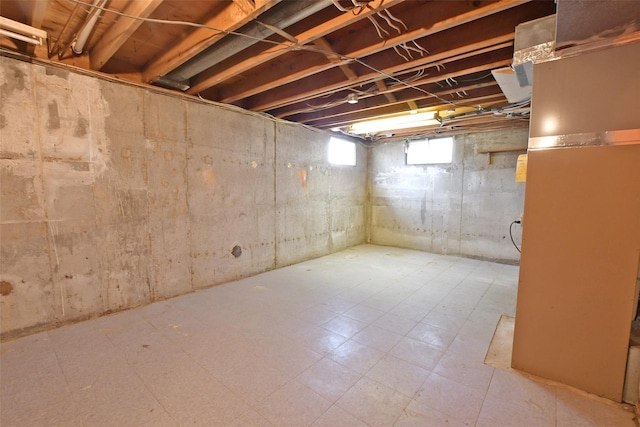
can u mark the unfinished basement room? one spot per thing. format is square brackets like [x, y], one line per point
[320, 213]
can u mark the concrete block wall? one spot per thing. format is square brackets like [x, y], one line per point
[462, 208]
[113, 196]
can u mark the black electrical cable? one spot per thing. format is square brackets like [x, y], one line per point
[511, 234]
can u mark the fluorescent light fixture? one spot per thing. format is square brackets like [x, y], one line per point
[19, 31]
[407, 121]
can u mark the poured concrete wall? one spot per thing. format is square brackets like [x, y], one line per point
[462, 208]
[113, 196]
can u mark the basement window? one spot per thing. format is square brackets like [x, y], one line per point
[430, 151]
[342, 152]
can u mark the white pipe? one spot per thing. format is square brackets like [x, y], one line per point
[78, 44]
[16, 36]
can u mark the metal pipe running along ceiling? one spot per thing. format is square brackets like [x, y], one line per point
[281, 16]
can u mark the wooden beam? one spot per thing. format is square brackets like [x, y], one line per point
[385, 91]
[456, 13]
[446, 32]
[215, 76]
[407, 96]
[247, 6]
[38, 11]
[308, 88]
[230, 18]
[322, 44]
[373, 108]
[120, 31]
[462, 68]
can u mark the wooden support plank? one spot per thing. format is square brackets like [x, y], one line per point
[120, 31]
[406, 96]
[209, 79]
[459, 30]
[38, 11]
[486, 100]
[230, 18]
[462, 69]
[489, 94]
[385, 91]
[247, 6]
[308, 88]
[322, 44]
[213, 77]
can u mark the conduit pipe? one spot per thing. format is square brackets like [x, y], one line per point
[78, 44]
[281, 16]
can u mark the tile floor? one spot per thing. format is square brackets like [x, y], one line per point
[371, 336]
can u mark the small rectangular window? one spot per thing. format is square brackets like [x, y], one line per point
[342, 152]
[430, 151]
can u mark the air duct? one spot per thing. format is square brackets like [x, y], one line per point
[281, 16]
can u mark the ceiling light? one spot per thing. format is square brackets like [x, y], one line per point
[394, 123]
[352, 98]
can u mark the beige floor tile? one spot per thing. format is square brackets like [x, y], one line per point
[360, 337]
[394, 323]
[190, 394]
[249, 419]
[355, 356]
[364, 314]
[383, 301]
[338, 305]
[322, 340]
[435, 336]
[399, 375]
[293, 405]
[373, 403]
[574, 410]
[329, 379]
[345, 326]
[521, 391]
[430, 418]
[292, 359]
[455, 400]
[413, 310]
[316, 315]
[253, 380]
[417, 353]
[447, 318]
[377, 338]
[499, 412]
[472, 373]
[33, 390]
[337, 417]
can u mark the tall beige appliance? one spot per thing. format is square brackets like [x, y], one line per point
[581, 236]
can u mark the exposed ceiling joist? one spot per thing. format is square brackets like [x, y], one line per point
[212, 77]
[113, 39]
[301, 60]
[230, 18]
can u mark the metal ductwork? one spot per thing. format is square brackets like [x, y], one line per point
[281, 16]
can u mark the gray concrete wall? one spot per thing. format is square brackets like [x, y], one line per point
[462, 208]
[113, 196]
